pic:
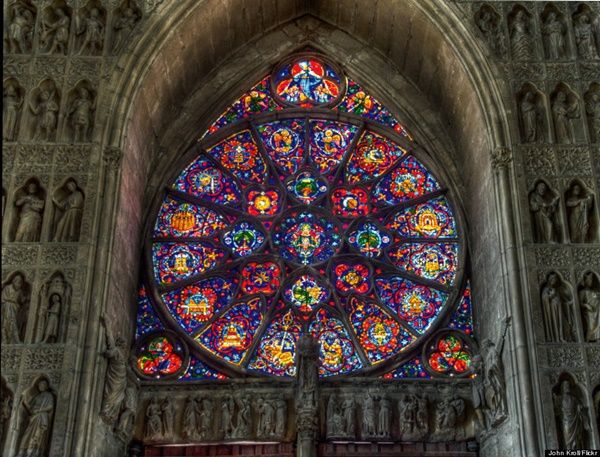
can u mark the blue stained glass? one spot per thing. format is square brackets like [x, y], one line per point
[147, 319]
[462, 317]
[413, 369]
[199, 371]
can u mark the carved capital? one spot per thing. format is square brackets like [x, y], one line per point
[112, 157]
[501, 157]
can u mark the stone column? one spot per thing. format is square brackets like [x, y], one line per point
[307, 396]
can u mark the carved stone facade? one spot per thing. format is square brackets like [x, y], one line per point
[101, 96]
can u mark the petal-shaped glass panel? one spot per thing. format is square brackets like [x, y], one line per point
[182, 219]
[434, 261]
[239, 155]
[244, 238]
[372, 157]
[284, 143]
[329, 141]
[177, 261]
[432, 219]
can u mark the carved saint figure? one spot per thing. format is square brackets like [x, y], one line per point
[206, 418]
[190, 418]
[584, 37]
[52, 319]
[14, 299]
[280, 417]
[168, 417]
[530, 118]
[55, 35]
[593, 109]
[579, 206]
[494, 387]
[520, 41]
[92, 29]
[30, 215]
[553, 31]
[46, 113]
[412, 413]
[589, 299]
[128, 410]
[81, 115]
[116, 375]
[153, 420]
[71, 206]
[383, 422]
[227, 407]
[563, 114]
[20, 30]
[39, 411]
[571, 417]
[543, 205]
[266, 418]
[556, 310]
[349, 416]
[368, 416]
[12, 107]
[124, 25]
[488, 25]
[243, 423]
[449, 414]
[335, 426]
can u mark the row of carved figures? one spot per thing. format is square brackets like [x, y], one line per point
[564, 122]
[50, 313]
[563, 37]
[44, 113]
[562, 314]
[548, 214]
[29, 216]
[61, 30]
[242, 416]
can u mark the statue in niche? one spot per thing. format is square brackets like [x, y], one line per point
[494, 387]
[39, 411]
[51, 308]
[168, 418]
[579, 206]
[368, 416]
[584, 37]
[92, 30]
[335, 425]
[12, 108]
[20, 30]
[190, 418]
[31, 207]
[448, 417]
[413, 417]
[153, 420]
[384, 417]
[557, 310]
[15, 300]
[478, 391]
[116, 375]
[52, 319]
[543, 204]
[206, 418]
[6, 400]
[554, 33]
[520, 39]
[563, 113]
[531, 118]
[571, 418]
[123, 27]
[227, 408]
[81, 115]
[46, 113]
[349, 416]
[266, 417]
[243, 418]
[280, 417]
[489, 26]
[593, 110]
[589, 300]
[71, 207]
[128, 411]
[55, 35]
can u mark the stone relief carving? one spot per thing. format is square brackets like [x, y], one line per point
[80, 115]
[89, 29]
[557, 304]
[55, 30]
[585, 36]
[449, 415]
[592, 109]
[520, 30]
[206, 419]
[490, 24]
[531, 115]
[280, 417]
[14, 95]
[543, 205]
[574, 161]
[540, 161]
[191, 412]
[334, 420]
[37, 406]
[153, 431]
[54, 302]
[44, 106]
[227, 411]
[553, 31]
[589, 301]
[571, 417]
[21, 24]
[579, 203]
[6, 404]
[116, 375]
[413, 417]
[15, 305]
[128, 412]
[125, 20]
[168, 418]
[307, 395]
[368, 417]
[384, 418]
[243, 418]
[266, 418]
[29, 202]
[68, 202]
[565, 108]
[348, 409]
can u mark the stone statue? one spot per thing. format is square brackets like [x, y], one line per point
[71, 207]
[12, 108]
[579, 206]
[584, 38]
[116, 375]
[81, 113]
[30, 214]
[478, 391]
[128, 411]
[243, 423]
[123, 26]
[20, 30]
[531, 118]
[449, 415]
[280, 417]
[335, 425]
[493, 380]
[53, 302]
[38, 411]
[520, 39]
[589, 300]
[227, 408]
[190, 418]
[92, 29]
[206, 419]
[349, 416]
[557, 310]
[413, 417]
[266, 418]
[307, 395]
[543, 205]
[571, 418]
[46, 113]
[593, 109]
[15, 299]
[308, 372]
[6, 400]
[368, 417]
[489, 26]
[168, 418]
[55, 35]
[563, 114]
[554, 34]
[384, 418]
[153, 421]
[52, 319]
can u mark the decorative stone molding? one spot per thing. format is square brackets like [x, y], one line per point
[112, 157]
[84, 68]
[33, 158]
[501, 157]
[564, 356]
[552, 257]
[561, 72]
[593, 356]
[10, 358]
[44, 358]
[19, 255]
[49, 67]
[539, 161]
[587, 257]
[529, 71]
[590, 71]
[574, 161]
[69, 158]
[59, 255]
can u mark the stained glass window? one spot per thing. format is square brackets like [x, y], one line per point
[312, 211]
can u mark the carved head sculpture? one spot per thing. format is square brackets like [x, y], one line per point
[17, 281]
[60, 13]
[529, 96]
[551, 16]
[43, 385]
[540, 188]
[119, 342]
[588, 279]
[45, 96]
[72, 185]
[520, 16]
[32, 188]
[55, 299]
[576, 191]
[552, 279]
[584, 19]
[94, 13]
[561, 96]
[11, 91]
[565, 387]
[83, 93]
